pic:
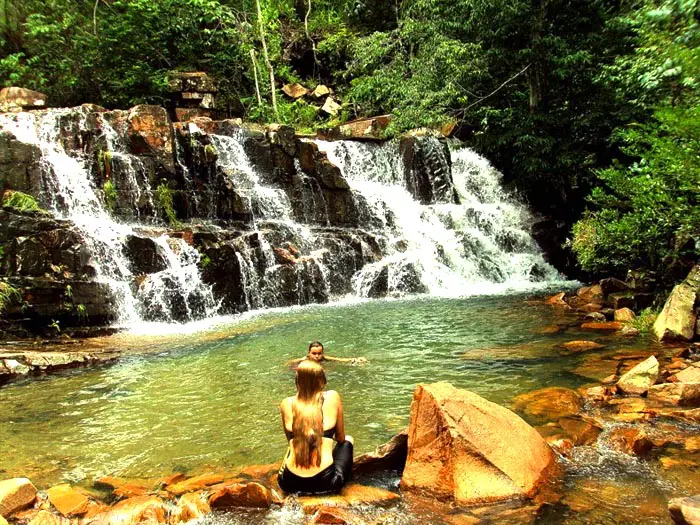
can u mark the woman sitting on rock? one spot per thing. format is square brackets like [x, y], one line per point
[315, 463]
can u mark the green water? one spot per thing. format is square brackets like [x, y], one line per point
[210, 400]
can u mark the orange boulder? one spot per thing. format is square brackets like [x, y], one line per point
[464, 448]
[241, 495]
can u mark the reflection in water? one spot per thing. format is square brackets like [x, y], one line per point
[209, 401]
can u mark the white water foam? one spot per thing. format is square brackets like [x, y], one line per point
[68, 189]
[454, 249]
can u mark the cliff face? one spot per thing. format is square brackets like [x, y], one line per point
[159, 221]
[245, 197]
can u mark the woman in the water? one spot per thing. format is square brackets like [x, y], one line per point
[319, 457]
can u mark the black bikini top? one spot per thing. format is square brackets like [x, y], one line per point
[330, 433]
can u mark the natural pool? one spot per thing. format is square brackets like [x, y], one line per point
[209, 400]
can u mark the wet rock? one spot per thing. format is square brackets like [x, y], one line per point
[562, 446]
[195, 483]
[284, 256]
[67, 500]
[610, 325]
[595, 317]
[677, 319]
[464, 448]
[591, 294]
[690, 374]
[624, 315]
[549, 403]
[596, 394]
[241, 495]
[351, 495]
[628, 331]
[16, 494]
[557, 300]
[46, 518]
[633, 441]
[389, 456]
[640, 378]
[685, 510]
[151, 133]
[582, 431]
[144, 255]
[336, 516]
[133, 511]
[582, 346]
[591, 308]
[679, 394]
[612, 285]
[190, 506]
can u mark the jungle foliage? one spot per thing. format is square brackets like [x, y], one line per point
[587, 106]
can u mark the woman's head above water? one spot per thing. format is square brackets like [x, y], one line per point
[310, 379]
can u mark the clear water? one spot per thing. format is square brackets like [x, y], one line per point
[208, 400]
[211, 398]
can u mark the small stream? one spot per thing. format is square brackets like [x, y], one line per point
[209, 400]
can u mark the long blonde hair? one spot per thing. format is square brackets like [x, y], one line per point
[307, 414]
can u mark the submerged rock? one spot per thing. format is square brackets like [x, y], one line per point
[464, 448]
[549, 403]
[352, 494]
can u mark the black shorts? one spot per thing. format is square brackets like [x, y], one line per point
[329, 480]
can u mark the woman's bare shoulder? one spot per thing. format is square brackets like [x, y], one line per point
[286, 402]
[331, 395]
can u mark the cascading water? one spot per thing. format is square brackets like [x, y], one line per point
[307, 222]
[68, 190]
[442, 248]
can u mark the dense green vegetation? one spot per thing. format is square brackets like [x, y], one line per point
[587, 106]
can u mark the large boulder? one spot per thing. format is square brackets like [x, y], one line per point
[677, 319]
[640, 378]
[16, 494]
[464, 448]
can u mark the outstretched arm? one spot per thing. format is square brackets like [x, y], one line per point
[351, 360]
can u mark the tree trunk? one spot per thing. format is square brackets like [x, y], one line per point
[266, 57]
[537, 74]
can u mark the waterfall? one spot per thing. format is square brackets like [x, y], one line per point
[470, 237]
[174, 293]
[282, 221]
